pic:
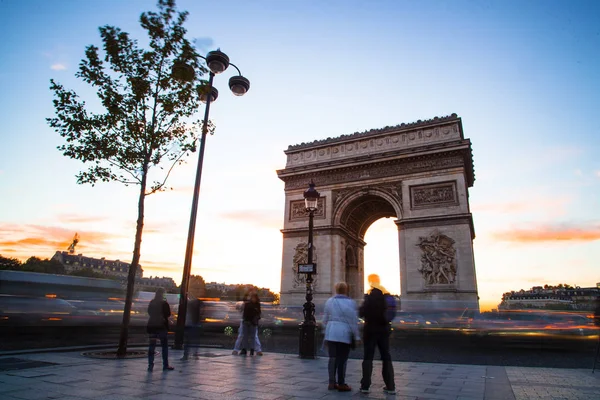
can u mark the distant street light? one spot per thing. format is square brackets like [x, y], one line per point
[308, 328]
[217, 62]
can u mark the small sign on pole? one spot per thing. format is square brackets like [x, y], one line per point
[307, 268]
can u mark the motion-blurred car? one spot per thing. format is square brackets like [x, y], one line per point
[407, 320]
[533, 324]
[34, 311]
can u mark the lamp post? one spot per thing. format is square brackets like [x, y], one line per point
[308, 328]
[217, 62]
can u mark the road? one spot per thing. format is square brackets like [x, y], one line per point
[405, 346]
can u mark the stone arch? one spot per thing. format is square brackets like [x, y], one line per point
[418, 173]
[362, 207]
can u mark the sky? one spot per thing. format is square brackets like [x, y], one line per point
[523, 76]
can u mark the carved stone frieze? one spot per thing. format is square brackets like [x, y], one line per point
[380, 170]
[301, 257]
[339, 195]
[298, 209]
[433, 195]
[394, 190]
[376, 140]
[438, 259]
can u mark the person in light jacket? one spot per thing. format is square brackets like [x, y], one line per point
[341, 326]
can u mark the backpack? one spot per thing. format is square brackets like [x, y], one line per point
[390, 309]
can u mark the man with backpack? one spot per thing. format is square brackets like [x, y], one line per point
[378, 310]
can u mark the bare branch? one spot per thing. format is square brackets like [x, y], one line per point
[175, 162]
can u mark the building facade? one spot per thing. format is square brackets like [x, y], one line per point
[73, 262]
[552, 297]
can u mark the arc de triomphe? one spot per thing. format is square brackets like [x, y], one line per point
[418, 173]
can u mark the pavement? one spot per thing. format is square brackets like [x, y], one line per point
[216, 374]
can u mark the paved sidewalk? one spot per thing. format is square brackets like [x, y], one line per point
[216, 374]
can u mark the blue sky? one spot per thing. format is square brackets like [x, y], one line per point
[522, 75]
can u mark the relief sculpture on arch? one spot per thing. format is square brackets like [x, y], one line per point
[438, 259]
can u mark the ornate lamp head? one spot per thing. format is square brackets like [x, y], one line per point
[311, 197]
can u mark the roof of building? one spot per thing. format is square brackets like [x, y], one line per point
[93, 261]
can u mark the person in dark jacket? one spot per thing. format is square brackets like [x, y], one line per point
[376, 333]
[250, 317]
[158, 327]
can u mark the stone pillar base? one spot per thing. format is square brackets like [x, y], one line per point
[451, 303]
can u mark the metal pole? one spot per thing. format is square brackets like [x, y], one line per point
[189, 249]
[308, 343]
[310, 315]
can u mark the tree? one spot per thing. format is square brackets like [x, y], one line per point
[197, 286]
[148, 98]
[213, 293]
[46, 266]
[9, 263]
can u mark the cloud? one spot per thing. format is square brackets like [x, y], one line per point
[263, 218]
[160, 268]
[505, 207]
[79, 219]
[548, 233]
[28, 240]
[58, 67]
[532, 204]
[597, 173]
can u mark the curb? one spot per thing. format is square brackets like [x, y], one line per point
[84, 348]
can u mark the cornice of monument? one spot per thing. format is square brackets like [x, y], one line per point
[326, 173]
[419, 124]
[437, 149]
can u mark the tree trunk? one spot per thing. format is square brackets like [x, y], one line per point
[122, 350]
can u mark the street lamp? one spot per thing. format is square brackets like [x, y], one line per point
[308, 331]
[217, 62]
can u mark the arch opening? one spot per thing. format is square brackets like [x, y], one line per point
[363, 211]
[357, 216]
[382, 255]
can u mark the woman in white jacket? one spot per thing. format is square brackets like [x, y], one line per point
[341, 326]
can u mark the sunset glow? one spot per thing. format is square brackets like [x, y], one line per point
[523, 76]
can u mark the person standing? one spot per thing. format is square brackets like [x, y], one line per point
[158, 328]
[341, 330]
[250, 318]
[376, 334]
[193, 325]
[238, 342]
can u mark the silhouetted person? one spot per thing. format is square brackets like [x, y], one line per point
[238, 342]
[158, 328]
[250, 318]
[376, 333]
